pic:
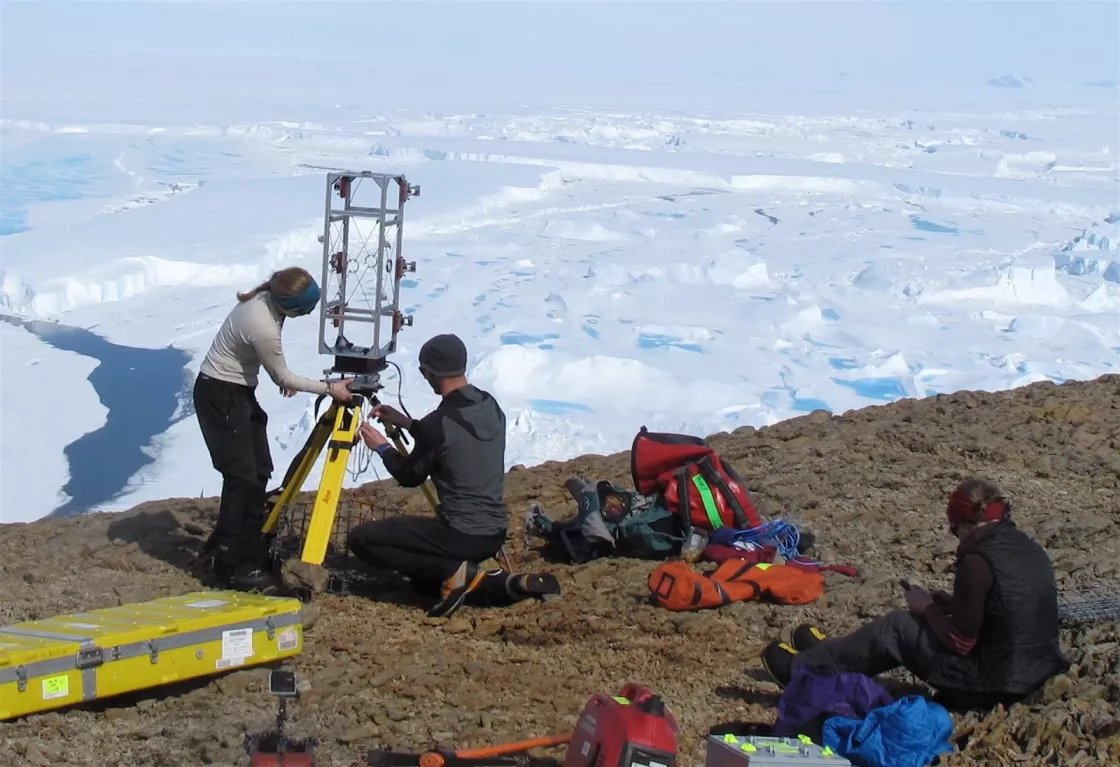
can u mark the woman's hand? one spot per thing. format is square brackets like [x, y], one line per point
[287, 392]
[942, 598]
[340, 390]
[917, 600]
[371, 436]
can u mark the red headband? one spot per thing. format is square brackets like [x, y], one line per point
[962, 510]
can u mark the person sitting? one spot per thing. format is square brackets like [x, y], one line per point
[234, 425]
[461, 446]
[993, 640]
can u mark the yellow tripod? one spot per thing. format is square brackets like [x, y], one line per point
[337, 432]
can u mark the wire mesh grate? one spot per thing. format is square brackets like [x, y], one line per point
[1090, 604]
[345, 573]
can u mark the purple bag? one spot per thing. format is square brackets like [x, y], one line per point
[812, 696]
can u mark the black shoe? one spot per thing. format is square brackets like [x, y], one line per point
[218, 565]
[542, 586]
[255, 579]
[806, 636]
[504, 588]
[777, 659]
[455, 589]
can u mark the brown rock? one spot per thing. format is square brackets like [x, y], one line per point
[362, 732]
[301, 575]
[457, 625]
[36, 754]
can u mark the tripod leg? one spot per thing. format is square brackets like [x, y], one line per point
[346, 423]
[302, 464]
[427, 488]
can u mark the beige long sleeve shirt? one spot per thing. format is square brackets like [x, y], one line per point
[249, 339]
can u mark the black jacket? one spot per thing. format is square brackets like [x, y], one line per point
[1017, 649]
[462, 446]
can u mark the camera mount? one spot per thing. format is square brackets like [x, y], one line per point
[362, 240]
[273, 747]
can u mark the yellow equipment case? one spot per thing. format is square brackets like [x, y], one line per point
[51, 663]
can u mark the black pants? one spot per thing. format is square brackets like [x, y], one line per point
[234, 428]
[895, 640]
[423, 548]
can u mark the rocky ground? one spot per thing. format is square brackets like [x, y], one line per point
[871, 485]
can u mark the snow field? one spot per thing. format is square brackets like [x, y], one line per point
[606, 271]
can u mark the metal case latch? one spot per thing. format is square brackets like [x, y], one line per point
[91, 657]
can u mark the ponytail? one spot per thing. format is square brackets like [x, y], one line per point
[264, 287]
[293, 283]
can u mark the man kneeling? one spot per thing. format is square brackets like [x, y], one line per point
[461, 445]
[993, 640]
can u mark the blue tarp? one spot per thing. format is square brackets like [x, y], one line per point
[911, 732]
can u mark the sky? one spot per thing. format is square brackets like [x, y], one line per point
[479, 53]
[794, 40]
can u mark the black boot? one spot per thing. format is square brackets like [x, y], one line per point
[219, 565]
[252, 578]
[253, 570]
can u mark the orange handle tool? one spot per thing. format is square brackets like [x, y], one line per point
[442, 758]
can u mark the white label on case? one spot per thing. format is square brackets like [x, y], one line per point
[287, 640]
[202, 604]
[229, 662]
[237, 644]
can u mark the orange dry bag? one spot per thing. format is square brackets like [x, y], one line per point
[676, 586]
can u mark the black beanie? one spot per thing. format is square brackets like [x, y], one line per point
[444, 356]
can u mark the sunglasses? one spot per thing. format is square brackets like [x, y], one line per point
[302, 312]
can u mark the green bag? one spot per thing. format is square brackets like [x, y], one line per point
[611, 521]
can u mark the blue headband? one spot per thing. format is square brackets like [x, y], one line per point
[300, 303]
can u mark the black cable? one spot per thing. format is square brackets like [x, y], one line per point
[400, 382]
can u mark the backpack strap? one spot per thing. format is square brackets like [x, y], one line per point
[698, 594]
[707, 499]
[736, 573]
[708, 469]
[683, 496]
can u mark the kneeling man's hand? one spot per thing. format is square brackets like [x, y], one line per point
[371, 436]
[390, 416]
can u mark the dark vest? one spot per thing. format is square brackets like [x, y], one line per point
[1017, 650]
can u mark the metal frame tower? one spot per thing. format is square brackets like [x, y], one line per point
[362, 243]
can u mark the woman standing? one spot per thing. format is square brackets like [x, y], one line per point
[233, 423]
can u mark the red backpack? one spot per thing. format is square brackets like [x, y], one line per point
[713, 494]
